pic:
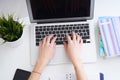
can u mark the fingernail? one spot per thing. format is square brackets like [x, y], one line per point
[55, 37]
[66, 35]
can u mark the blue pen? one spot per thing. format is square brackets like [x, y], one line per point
[101, 76]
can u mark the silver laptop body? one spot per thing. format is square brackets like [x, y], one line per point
[39, 18]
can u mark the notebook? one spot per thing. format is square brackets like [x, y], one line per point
[110, 33]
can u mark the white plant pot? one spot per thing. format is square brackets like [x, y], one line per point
[12, 44]
[1, 41]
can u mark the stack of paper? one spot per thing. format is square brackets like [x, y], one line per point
[110, 36]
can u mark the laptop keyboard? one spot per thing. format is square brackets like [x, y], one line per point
[61, 30]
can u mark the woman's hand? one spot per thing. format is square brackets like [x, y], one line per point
[73, 48]
[47, 49]
[46, 52]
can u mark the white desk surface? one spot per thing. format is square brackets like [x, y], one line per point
[19, 57]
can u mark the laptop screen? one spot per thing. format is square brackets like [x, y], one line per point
[59, 10]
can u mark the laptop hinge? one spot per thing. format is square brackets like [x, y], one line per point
[61, 21]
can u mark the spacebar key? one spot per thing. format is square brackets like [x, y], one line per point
[59, 42]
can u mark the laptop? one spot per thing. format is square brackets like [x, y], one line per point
[60, 17]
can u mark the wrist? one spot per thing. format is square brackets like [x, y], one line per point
[77, 63]
[39, 67]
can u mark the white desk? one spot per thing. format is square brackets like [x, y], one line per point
[19, 57]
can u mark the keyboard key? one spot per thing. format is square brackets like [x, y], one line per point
[85, 37]
[37, 40]
[44, 26]
[75, 24]
[86, 26]
[53, 32]
[58, 28]
[58, 35]
[81, 27]
[70, 31]
[79, 30]
[60, 39]
[44, 29]
[65, 32]
[73, 27]
[88, 41]
[37, 33]
[70, 27]
[85, 34]
[63, 28]
[87, 30]
[66, 28]
[61, 32]
[42, 32]
[81, 34]
[36, 29]
[40, 29]
[55, 28]
[51, 29]
[50, 32]
[57, 32]
[59, 42]
[38, 36]
[88, 33]
[84, 41]
[37, 44]
[76, 31]
[83, 30]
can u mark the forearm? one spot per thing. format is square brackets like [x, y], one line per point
[80, 72]
[37, 71]
[34, 76]
[47, 50]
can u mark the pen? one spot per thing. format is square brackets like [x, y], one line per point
[101, 76]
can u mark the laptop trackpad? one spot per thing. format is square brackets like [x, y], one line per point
[60, 56]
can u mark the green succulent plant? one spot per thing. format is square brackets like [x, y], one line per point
[10, 30]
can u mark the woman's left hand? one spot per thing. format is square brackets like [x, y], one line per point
[46, 50]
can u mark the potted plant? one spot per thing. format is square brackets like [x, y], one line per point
[10, 30]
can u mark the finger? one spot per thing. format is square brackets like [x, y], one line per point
[78, 37]
[65, 45]
[44, 40]
[54, 45]
[81, 40]
[49, 38]
[68, 38]
[40, 43]
[53, 40]
[74, 36]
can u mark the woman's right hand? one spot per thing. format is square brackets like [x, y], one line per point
[73, 47]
